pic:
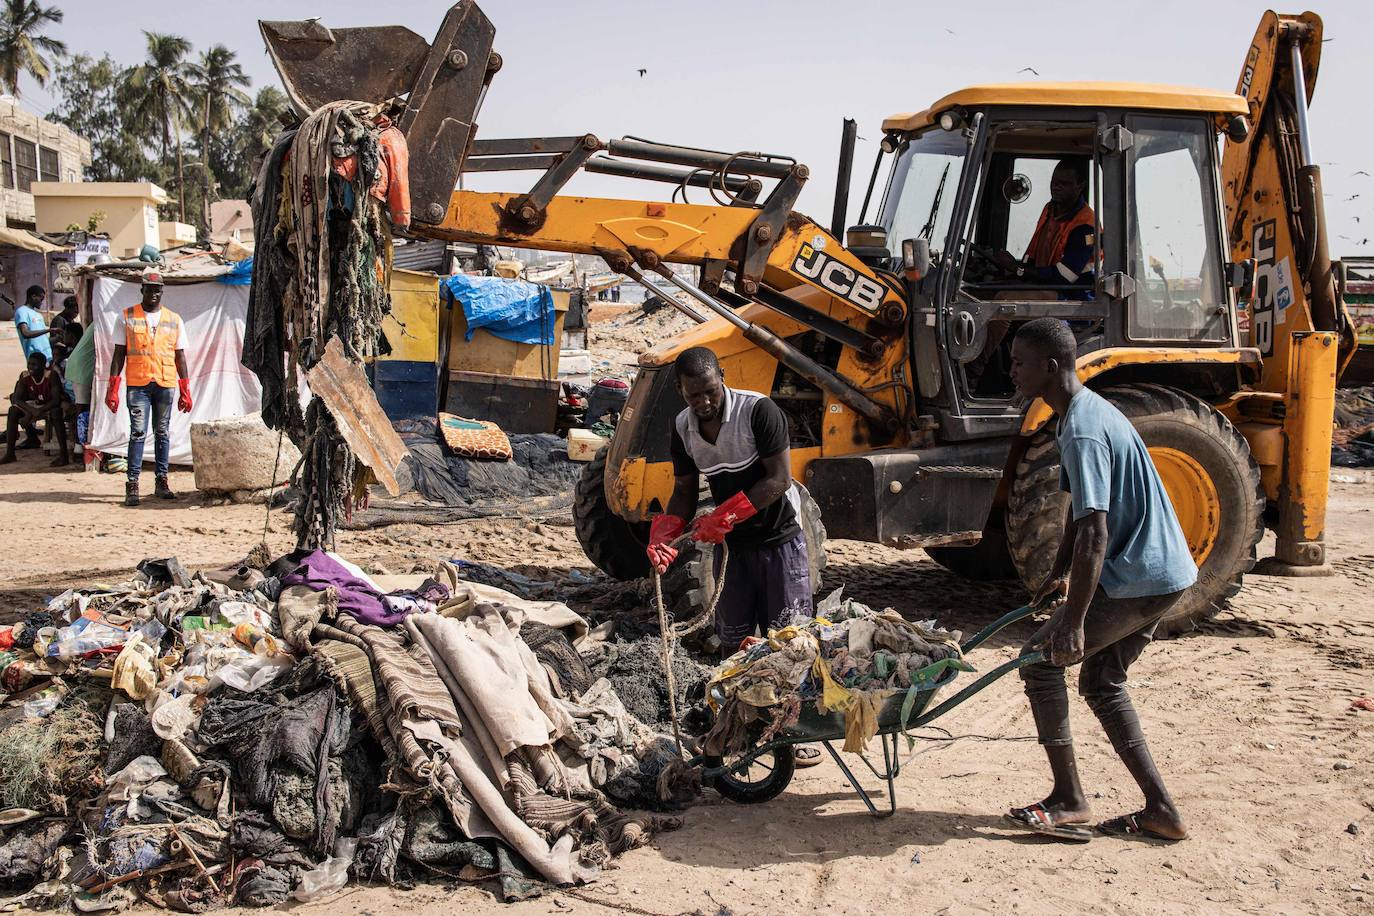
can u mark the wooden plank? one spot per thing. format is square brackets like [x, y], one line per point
[342, 386]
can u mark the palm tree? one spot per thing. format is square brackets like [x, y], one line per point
[262, 122]
[22, 45]
[217, 85]
[160, 99]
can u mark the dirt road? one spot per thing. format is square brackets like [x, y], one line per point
[1248, 720]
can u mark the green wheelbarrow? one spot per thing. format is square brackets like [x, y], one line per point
[764, 770]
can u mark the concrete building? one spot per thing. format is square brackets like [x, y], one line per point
[33, 150]
[174, 233]
[126, 211]
[231, 221]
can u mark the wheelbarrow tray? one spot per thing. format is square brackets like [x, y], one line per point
[814, 726]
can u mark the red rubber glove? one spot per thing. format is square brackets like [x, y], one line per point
[713, 528]
[112, 393]
[663, 530]
[184, 402]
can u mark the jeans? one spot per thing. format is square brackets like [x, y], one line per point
[765, 588]
[150, 397]
[1115, 632]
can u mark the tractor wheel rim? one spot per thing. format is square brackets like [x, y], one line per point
[1194, 496]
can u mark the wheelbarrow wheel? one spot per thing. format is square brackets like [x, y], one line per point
[763, 780]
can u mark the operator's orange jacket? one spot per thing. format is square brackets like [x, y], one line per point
[152, 355]
[1051, 238]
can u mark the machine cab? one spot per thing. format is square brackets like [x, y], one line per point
[1096, 203]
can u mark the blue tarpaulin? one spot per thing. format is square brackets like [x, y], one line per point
[240, 274]
[511, 309]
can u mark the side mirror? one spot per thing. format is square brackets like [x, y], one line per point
[868, 243]
[915, 258]
[1241, 275]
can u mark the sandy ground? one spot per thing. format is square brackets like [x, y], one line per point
[1248, 720]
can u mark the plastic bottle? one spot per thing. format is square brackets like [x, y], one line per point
[257, 639]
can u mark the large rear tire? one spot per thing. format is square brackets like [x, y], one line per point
[1212, 480]
[615, 546]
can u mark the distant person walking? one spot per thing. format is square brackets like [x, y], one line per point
[33, 330]
[154, 354]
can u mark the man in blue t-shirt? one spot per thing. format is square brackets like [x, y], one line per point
[33, 330]
[1122, 565]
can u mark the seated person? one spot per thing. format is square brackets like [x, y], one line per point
[37, 396]
[1060, 252]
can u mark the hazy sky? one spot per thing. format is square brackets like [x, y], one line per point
[780, 76]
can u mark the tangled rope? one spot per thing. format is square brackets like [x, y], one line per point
[670, 634]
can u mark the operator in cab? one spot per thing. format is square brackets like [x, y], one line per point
[1060, 252]
[1122, 565]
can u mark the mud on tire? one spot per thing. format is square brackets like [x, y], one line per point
[615, 546]
[1165, 418]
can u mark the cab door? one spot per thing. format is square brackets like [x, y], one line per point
[983, 302]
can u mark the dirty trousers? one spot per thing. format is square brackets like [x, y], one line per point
[765, 588]
[1115, 632]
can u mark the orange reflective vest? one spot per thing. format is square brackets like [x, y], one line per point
[1046, 247]
[151, 355]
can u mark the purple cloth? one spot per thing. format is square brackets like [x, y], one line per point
[359, 600]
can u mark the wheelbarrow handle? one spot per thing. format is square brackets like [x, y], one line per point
[991, 629]
[1020, 661]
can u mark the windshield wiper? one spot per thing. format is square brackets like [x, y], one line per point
[929, 228]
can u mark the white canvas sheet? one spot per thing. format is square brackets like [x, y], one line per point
[214, 315]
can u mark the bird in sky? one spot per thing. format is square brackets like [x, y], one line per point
[950, 31]
[1029, 70]
[642, 71]
[1359, 172]
[1352, 197]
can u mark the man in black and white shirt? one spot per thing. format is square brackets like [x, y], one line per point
[739, 440]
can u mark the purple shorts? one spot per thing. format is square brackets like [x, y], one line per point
[765, 589]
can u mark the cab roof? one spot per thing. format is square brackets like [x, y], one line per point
[1077, 95]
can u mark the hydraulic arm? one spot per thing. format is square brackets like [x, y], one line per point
[773, 255]
[1273, 199]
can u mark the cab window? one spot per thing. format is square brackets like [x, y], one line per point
[1175, 257]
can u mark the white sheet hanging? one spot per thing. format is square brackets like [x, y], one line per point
[214, 315]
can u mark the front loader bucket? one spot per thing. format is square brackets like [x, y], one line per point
[441, 83]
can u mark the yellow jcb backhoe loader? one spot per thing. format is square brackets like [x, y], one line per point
[1209, 314]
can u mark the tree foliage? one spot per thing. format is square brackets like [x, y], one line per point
[184, 121]
[92, 104]
[23, 46]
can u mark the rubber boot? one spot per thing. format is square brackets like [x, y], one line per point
[163, 489]
[131, 493]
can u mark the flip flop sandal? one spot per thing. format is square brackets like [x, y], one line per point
[1036, 819]
[1128, 826]
[807, 756]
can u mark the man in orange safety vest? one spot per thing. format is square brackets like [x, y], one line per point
[151, 347]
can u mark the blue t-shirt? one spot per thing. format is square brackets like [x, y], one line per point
[1106, 467]
[34, 319]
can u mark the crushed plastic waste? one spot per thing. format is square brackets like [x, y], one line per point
[207, 739]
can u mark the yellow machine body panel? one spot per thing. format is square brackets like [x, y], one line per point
[1092, 365]
[1075, 95]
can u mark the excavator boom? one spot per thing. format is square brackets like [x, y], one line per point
[773, 253]
[1273, 199]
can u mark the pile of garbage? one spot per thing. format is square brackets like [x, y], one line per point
[269, 731]
[848, 659]
[1352, 442]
